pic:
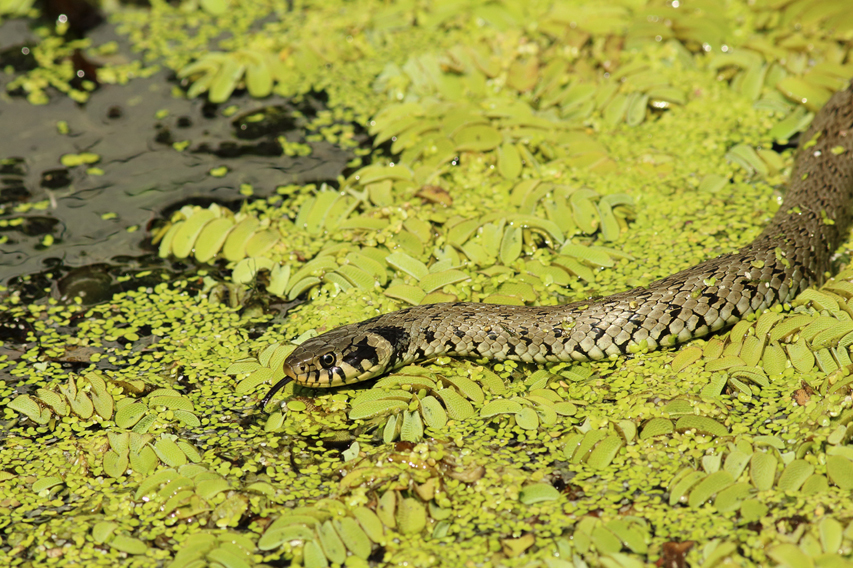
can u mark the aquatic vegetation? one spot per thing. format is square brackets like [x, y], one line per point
[528, 153]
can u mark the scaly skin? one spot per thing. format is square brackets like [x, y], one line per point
[791, 254]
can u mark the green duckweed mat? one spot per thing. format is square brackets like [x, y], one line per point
[522, 152]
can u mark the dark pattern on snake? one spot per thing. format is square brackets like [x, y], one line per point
[791, 254]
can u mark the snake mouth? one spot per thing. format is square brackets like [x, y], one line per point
[289, 372]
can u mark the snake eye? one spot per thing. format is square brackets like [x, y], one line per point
[327, 360]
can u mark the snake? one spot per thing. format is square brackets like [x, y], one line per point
[792, 253]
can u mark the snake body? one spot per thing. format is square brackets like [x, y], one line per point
[791, 254]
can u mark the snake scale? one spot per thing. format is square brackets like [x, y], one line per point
[791, 254]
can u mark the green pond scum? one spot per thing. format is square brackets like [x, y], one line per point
[532, 153]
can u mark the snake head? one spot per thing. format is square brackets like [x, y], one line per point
[346, 355]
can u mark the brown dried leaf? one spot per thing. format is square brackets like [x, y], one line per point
[469, 475]
[673, 553]
[803, 395]
[435, 194]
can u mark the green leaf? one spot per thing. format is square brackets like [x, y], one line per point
[794, 475]
[433, 282]
[656, 427]
[211, 238]
[30, 408]
[243, 366]
[171, 402]
[128, 416]
[840, 472]
[433, 412]
[411, 266]
[302, 286]
[55, 401]
[258, 75]
[831, 535]
[314, 556]
[477, 138]
[170, 453]
[129, 544]
[762, 470]
[215, 7]
[604, 452]
[527, 419]
[234, 248]
[730, 499]
[410, 294]
[82, 405]
[257, 378]
[333, 547]
[686, 357]
[701, 424]
[226, 80]
[413, 428]
[800, 90]
[411, 516]
[353, 537]
[457, 407]
[500, 406]
[509, 161]
[538, 492]
[278, 535]
[790, 555]
[708, 487]
[115, 465]
[103, 530]
[510, 248]
[46, 483]
[144, 461]
[752, 510]
[374, 408]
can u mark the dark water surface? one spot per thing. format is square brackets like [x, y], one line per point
[96, 219]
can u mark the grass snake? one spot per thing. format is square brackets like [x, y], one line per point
[791, 254]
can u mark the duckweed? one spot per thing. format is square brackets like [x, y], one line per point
[530, 153]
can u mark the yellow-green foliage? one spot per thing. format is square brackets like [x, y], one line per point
[524, 152]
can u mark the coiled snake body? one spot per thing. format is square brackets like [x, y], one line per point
[791, 254]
